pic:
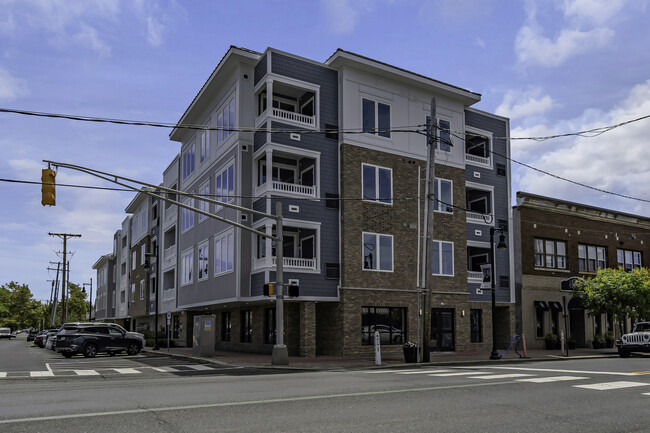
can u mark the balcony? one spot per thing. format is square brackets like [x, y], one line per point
[477, 149]
[291, 174]
[473, 275]
[309, 121]
[300, 249]
[479, 204]
[169, 294]
[296, 263]
[290, 104]
[476, 257]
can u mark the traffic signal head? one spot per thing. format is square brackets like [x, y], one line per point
[47, 187]
[268, 289]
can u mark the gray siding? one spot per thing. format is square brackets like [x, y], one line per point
[260, 69]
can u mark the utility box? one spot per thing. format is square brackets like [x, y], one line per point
[203, 339]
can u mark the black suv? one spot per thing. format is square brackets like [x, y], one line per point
[93, 338]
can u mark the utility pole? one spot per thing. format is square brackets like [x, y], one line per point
[64, 306]
[280, 354]
[55, 286]
[428, 229]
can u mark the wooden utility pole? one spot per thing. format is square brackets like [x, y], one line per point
[64, 306]
[428, 229]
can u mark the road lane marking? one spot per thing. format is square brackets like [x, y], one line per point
[642, 372]
[199, 367]
[48, 367]
[501, 376]
[555, 370]
[3, 374]
[458, 373]
[551, 379]
[86, 372]
[611, 385]
[41, 374]
[646, 393]
[127, 370]
[422, 371]
[391, 371]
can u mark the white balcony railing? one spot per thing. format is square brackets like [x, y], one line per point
[477, 159]
[294, 188]
[170, 252]
[169, 294]
[170, 214]
[473, 275]
[479, 217]
[297, 263]
[294, 117]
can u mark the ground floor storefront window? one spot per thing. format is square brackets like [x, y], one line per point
[390, 322]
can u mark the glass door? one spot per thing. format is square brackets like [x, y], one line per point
[442, 330]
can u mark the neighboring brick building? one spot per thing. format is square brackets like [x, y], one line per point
[558, 240]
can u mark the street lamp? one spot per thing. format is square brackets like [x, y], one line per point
[90, 306]
[147, 267]
[501, 246]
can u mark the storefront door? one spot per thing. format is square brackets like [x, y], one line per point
[442, 330]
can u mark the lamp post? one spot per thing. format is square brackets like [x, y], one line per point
[147, 266]
[90, 292]
[501, 247]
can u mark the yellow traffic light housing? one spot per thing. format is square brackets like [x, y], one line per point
[47, 187]
[268, 289]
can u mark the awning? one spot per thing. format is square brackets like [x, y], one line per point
[555, 306]
[541, 305]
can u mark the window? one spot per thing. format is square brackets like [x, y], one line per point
[188, 160]
[477, 145]
[134, 227]
[225, 189]
[390, 322]
[204, 259]
[143, 220]
[124, 268]
[188, 215]
[501, 170]
[443, 258]
[204, 191]
[332, 271]
[628, 260]
[444, 136]
[331, 201]
[539, 321]
[134, 259]
[205, 144]
[187, 267]
[246, 326]
[442, 190]
[475, 326]
[332, 132]
[224, 253]
[591, 258]
[133, 292]
[377, 183]
[143, 254]
[269, 326]
[225, 121]
[550, 254]
[226, 326]
[376, 118]
[141, 290]
[377, 252]
[122, 296]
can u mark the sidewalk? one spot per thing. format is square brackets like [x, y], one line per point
[242, 359]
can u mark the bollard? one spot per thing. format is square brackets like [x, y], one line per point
[562, 343]
[523, 342]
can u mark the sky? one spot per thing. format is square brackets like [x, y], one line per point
[552, 66]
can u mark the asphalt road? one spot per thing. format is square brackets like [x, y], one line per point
[595, 395]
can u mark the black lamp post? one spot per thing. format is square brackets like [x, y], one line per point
[90, 307]
[501, 247]
[147, 266]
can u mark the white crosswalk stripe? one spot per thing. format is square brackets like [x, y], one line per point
[458, 373]
[86, 372]
[199, 367]
[612, 385]
[391, 371]
[501, 376]
[127, 370]
[3, 374]
[551, 379]
[165, 369]
[422, 371]
[41, 374]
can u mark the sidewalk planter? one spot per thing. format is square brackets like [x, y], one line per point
[598, 342]
[551, 341]
[410, 353]
[609, 340]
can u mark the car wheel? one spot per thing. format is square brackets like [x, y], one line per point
[67, 354]
[132, 349]
[90, 350]
[624, 353]
[112, 353]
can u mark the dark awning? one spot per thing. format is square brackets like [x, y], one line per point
[555, 306]
[541, 305]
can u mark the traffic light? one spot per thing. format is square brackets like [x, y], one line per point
[293, 291]
[47, 187]
[268, 289]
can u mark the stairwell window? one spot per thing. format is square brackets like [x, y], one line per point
[225, 185]
[188, 215]
[377, 183]
[224, 252]
[204, 259]
[225, 121]
[377, 252]
[187, 267]
[376, 118]
[188, 160]
[204, 190]
[205, 144]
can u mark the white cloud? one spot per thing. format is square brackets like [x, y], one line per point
[11, 87]
[615, 161]
[341, 15]
[154, 31]
[518, 104]
[89, 38]
[598, 12]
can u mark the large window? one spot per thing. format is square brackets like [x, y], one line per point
[377, 183]
[550, 254]
[443, 192]
[224, 252]
[376, 118]
[188, 215]
[628, 260]
[539, 321]
[246, 334]
[188, 160]
[141, 290]
[204, 191]
[443, 258]
[205, 144]
[226, 185]
[591, 258]
[226, 326]
[143, 255]
[225, 121]
[187, 267]
[377, 252]
[390, 322]
[475, 326]
[444, 136]
[204, 259]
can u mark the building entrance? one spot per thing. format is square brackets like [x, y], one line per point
[442, 330]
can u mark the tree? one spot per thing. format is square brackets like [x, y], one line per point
[18, 308]
[616, 292]
[77, 304]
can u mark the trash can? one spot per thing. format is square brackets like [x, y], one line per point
[410, 353]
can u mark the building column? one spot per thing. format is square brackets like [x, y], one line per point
[308, 329]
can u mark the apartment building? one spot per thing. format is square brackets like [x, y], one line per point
[138, 272]
[168, 257]
[558, 241]
[105, 288]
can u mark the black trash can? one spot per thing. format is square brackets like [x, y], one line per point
[410, 354]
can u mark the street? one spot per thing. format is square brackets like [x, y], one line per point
[600, 395]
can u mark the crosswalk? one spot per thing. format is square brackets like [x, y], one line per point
[113, 371]
[575, 379]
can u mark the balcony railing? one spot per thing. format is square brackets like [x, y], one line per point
[169, 294]
[294, 117]
[477, 159]
[479, 217]
[170, 252]
[297, 263]
[473, 275]
[294, 188]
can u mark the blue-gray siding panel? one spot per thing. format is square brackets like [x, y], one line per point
[260, 69]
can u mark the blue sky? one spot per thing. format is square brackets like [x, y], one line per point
[552, 66]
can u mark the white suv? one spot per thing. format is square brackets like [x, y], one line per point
[637, 341]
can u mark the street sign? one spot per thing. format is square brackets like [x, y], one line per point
[568, 285]
[377, 349]
[169, 318]
[486, 270]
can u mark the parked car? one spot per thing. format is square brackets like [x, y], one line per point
[6, 333]
[31, 334]
[90, 339]
[41, 339]
[637, 341]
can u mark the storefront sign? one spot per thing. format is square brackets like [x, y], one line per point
[568, 285]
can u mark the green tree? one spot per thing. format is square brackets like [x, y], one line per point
[18, 308]
[619, 293]
[77, 304]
